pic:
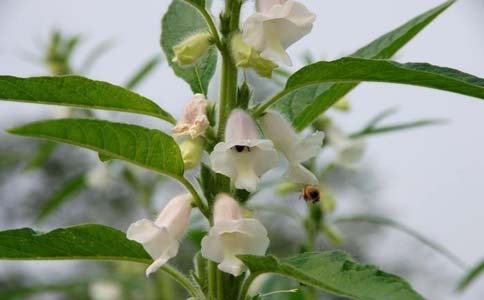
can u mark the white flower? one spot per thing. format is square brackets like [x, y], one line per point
[349, 151]
[243, 156]
[295, 149]
[233, 235]
[194, 120]
[105, 290]
[160, 238]
[277, 25]
[99, 177]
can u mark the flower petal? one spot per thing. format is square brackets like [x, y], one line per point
[297, 173]
[175, 215]
[309, 146]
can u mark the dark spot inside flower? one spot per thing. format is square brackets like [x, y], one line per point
[240, 148]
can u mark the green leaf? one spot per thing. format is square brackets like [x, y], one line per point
[148, 148]
[94, 55]
[143, 72]
[374, 130]
[78, 92]
[41, 156]
[93, 242]
[354, 70]
[337, 273]
[303, 106]
[180, 21]
[212, 183]
[378, 220]
[470, 277]
[66, 192]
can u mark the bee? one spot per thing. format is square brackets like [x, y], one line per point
[311, 193]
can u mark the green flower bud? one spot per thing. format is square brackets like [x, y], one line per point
[192, 49]
[248, 57]
[343, 104]
[191, 151]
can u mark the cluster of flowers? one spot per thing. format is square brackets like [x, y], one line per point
[244, 156]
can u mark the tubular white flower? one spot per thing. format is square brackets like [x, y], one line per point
[243, 156]
[349, 151]
[277, 25]
[194, 120]
[233, 235]
[160, 238]
[295, 149]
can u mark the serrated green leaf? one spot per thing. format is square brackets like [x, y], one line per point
[336, 273]
[148, 148]
[66, 192]
[354, 70]
[80, 92]
[180, 21]
[470, 277]
[303, 106]
[90, 241]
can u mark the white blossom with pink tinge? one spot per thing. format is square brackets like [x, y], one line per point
[233, 235]
[243, 156]
[160, 238]
[194, 120]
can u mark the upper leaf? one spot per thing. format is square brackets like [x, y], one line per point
[78, 92]
[180, 21]
[303, 106]
[335, 272]
[148, 148]
[76, 242]
[350, 69]
[471, 276]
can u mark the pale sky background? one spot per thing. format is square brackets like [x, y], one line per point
[432, 179]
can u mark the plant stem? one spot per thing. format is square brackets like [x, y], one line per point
[220, 285]
[245, 287]
[182, 280]
[196, 197]
[228, 82]
[212, 280]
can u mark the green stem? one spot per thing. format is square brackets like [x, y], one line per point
[182, 280]
[213, 29]
[228, 83]
[212, 280]
[220, 285]
[196, 197]
[245, 287]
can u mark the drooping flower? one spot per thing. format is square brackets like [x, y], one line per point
[275, 26]
[193, 121]
[295, 148]
[192, 49]
[160, 238]
[233, 235]
[243, 157]
[349, 151]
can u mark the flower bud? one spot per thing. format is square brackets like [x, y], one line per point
[225, 209]
[192, 48]
[343, 104]
[248, 57]
[191, 151]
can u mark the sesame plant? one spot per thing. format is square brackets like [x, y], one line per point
[232, 143]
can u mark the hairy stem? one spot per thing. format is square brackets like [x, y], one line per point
[182, 280]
